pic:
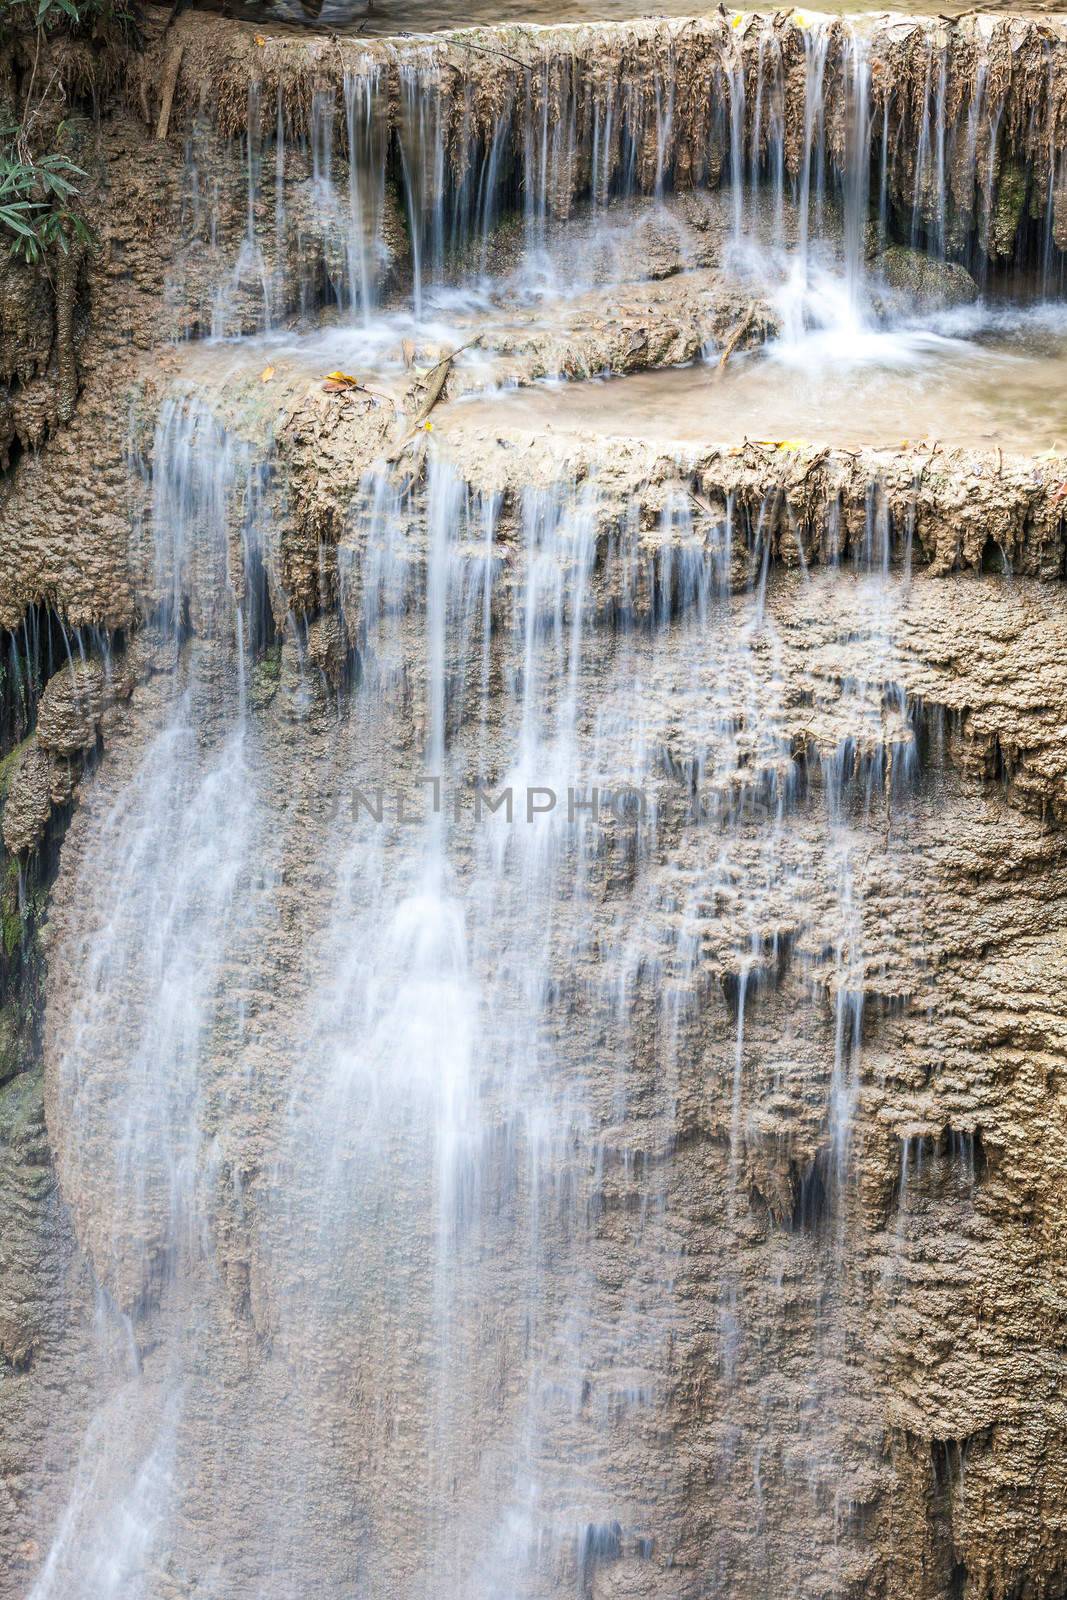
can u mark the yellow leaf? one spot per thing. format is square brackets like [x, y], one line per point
[266, 375]
[260, 40]
[344, 378]
[428, 426]
[740, 17]
[781, 444]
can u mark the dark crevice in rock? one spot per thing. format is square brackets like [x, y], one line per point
[599, 1544]
[811, 1185]
[29, 656]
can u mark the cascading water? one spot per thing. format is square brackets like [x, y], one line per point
[852, 156]
[453, 1127]
[459, 1022]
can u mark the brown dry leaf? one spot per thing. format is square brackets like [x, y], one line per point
[407, 350]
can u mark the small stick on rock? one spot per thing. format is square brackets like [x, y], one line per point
[738, 334]
[482, 50]
[434, 389]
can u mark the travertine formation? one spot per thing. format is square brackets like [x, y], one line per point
[652, 1196]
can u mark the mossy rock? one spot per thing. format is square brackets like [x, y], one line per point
[9, 763]
[929, 283]
[10, 911]
[1007, 210]
[265, 678]
[9, 1047]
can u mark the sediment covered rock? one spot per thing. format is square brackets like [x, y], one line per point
[940, 284]
[990, 85]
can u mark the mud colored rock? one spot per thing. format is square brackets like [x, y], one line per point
[1010, 70]
[71, 707]
[887, 1418]
[29, 801]
[929, 284]
[75, 701]
[933, 1291]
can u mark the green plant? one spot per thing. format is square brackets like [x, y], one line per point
[39, 190]
[36, 204]
[101, 19]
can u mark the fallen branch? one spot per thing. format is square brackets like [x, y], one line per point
[816, 461]
[434, 388]
[170, 83]
[738, 334]
[482, 50]
[438, 377]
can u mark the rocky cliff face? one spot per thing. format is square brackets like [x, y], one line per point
[419, 1175]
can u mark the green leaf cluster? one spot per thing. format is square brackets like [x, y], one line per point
[38, 203]
[100, 19]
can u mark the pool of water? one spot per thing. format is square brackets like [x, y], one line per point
[979, 378]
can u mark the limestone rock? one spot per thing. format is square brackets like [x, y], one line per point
[75, 701]
[929, 284]
[29, 801]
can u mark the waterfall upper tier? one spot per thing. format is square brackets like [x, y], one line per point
[958, 125]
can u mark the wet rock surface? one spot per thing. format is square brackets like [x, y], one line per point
[931, 283]
[914, 1327]
[659, 1202]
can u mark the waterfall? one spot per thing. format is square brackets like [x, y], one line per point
[821, 113]
[166, 906]
[498, 1010]
[422, 1112]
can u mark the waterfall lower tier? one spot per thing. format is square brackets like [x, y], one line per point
[495, 1189]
